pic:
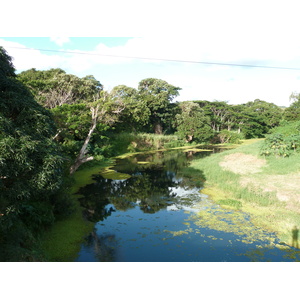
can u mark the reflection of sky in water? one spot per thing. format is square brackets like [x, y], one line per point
[186, 227]
[171, 235]
[192, 193]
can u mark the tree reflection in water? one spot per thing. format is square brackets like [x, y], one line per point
[151, 186]
[104, 246]
[157, 185]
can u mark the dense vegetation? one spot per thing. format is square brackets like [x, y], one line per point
[52, 122]
[32, 168]
[85, 113]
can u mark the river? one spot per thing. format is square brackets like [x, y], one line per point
[146, 210]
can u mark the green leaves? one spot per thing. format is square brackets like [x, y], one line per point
[192, 123]
[31, 165]
[279, 145]
[54, 87]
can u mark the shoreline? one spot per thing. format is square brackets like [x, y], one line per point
[256, 196]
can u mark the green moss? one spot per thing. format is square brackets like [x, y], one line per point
[62, 242]
[114, 175]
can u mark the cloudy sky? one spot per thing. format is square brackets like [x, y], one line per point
[197, 46]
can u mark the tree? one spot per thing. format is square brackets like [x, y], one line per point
[54, 87]
[269, 113]
[292, 113]
[259, 117]
[136, 113]
[192, 124]
[79, 105]
[157, 94]
[220, 111]
[31, 166]
[103, 110]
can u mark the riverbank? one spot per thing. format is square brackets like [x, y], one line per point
[264, 187]
[62, 241]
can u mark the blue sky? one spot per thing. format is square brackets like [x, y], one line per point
[261, 33]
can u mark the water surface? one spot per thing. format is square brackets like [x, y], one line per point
[146, 211]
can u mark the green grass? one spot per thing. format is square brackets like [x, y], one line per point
[62, 242]
[223, 187]
[283, 166]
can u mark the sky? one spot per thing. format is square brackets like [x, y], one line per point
[258, 33]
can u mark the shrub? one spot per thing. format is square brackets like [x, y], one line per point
[226, 136]
[279, 145]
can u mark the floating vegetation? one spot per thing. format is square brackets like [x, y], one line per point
[108, 173]
[176, 233]
[197, 150]
[221, 219]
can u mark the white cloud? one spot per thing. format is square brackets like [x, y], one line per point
[60, 41]
[26, 58]
[256, 32]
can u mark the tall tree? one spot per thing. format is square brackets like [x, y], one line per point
[192, 124]
[292, 113]
[54, 87]
[136, 113]
[103, 110]
[31, 166]
[158, 94]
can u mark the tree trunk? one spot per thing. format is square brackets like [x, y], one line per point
[82, 158]
[158, 128]
[189, 138]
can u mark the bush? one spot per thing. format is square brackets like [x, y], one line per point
[284, 140]
[279, 145]
[226, 136]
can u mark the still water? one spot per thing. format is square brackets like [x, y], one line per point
[146, 210]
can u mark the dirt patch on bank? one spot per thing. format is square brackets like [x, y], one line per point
[286, 187]
[241, 163]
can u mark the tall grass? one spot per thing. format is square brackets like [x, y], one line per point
[131, 142]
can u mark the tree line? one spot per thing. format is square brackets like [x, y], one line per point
[51, 122]
[88, 117]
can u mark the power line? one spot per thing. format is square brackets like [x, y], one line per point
[159, 59]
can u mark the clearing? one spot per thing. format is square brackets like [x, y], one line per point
[286, 187]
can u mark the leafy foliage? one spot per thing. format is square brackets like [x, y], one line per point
[284, 141]
[226, 136]
[31, 165]
[292, 113]
[192, 124]
[54, 87]
[157, 95]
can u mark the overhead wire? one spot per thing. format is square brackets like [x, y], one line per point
[157, 59]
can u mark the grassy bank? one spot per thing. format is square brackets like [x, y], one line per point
[62, 242]
[263, 187]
